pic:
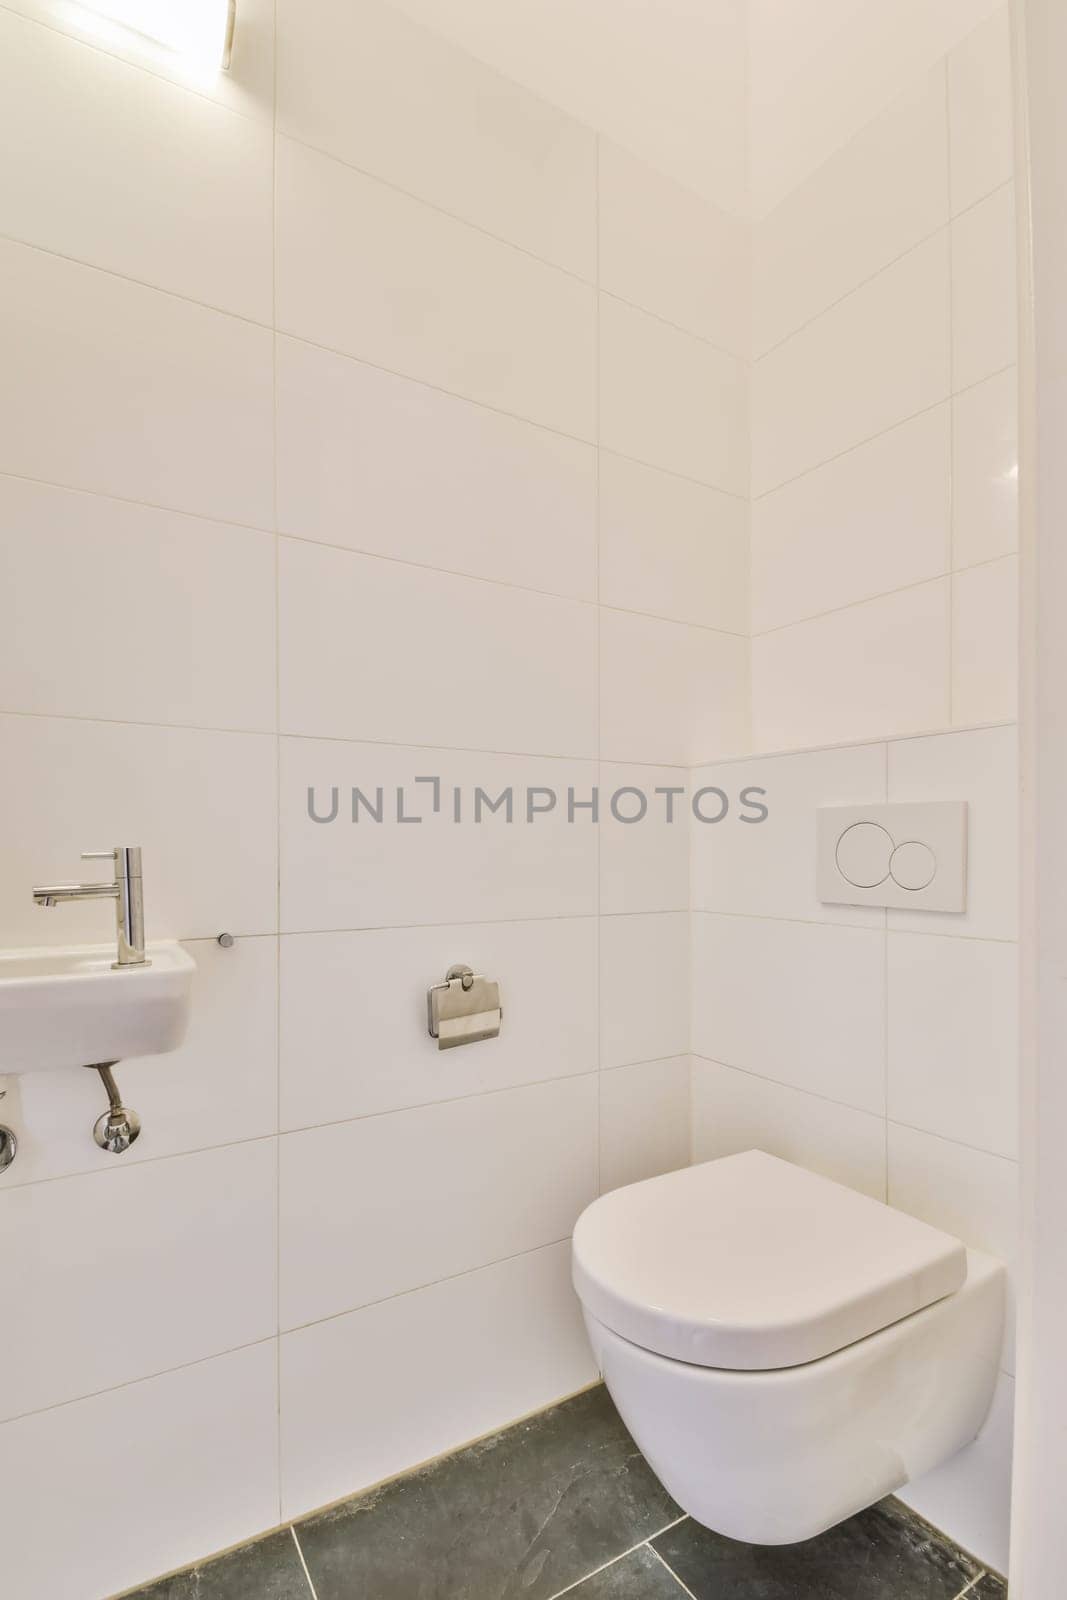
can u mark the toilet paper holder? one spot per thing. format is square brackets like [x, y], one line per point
[463, 1009]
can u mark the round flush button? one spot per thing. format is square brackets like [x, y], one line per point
[913, 865]
[863, 853]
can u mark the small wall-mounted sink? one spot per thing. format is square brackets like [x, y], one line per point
[70, 1008]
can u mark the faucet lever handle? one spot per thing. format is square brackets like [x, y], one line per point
[99, 855]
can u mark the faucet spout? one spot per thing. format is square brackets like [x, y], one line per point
[75, 891]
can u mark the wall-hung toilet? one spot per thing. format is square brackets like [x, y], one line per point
[784, 1350]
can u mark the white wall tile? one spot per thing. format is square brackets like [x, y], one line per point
[368, 1394]
[644, 988]
[83, 403]
[493, 496]
[114, 610]
[875, 358]
[736, 1111]
[980, 767]
[201, 805]
[798, 1002]
[354, 1038]
[364, 269]
[372, 1208]
[168, 187]
[664, 248]
[79, 1323]
[953, 1038]
[971, 1493]
[670, 693]
[644, 865]
[247, 87]
[767, 868]
[671, 547]
[367, 84]
[980, 111]
[228, 1062]
[196, 1470]
[671, 399]
[968, 1193]
[872, 520]
[644, 1121]
[876, 197]
[985, 470]
[878, 668]
[373, 649]
[985, 642]
[371, 875]
[984, 312]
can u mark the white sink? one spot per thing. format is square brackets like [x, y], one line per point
[68, 1008]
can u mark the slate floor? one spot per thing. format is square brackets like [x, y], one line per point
[564, 1504]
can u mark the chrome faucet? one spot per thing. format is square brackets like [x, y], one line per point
[127, 892]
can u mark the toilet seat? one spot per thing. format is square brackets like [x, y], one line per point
[749, 1263]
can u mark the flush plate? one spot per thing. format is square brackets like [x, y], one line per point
[906, 856]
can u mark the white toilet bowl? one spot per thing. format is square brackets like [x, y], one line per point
[784, 1350]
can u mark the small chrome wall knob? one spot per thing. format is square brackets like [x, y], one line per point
[115, 1131]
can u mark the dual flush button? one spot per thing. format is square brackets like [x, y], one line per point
[906, 855]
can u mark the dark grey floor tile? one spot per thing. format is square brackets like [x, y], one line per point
[989, 1588]
[638, 1576]
[517, 1517]
[884, 1553]
[267, 1570]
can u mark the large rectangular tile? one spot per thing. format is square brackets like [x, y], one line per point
[668, 250]
[493, 496]
[202, 806]
[80, 1322]
[984, 310]
[672, 400]
[354, 1039]
[364, 269]
[985, 470]
[229, 1062]
[981, 767]
[965, 1192]
[120, 611]
[878, 668]
[366, 83]
[644, 987]
[980, 117]
[672, 548]
[875, 358]
[84, 404]
[735, 1111]
[528, 1512]
[644, 1121]
[881, 1552]
[801, 1003]
[985, 642]
[196, 1470]
[971, 1492]
[372, 1208]
[670, 694]
[644, 853]
[880, 194]
[872, 520]
[167, 186]
[366, 874]
[370, 1394]
[379, 650]
[765, 867]
[953, 1038]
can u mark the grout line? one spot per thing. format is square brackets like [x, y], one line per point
[280, 1418]
[606, 1565]
[972, 1585]
[303, 1562]
[668, 1568]
[855, 927]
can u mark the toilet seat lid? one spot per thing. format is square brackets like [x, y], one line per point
[750, 1263]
